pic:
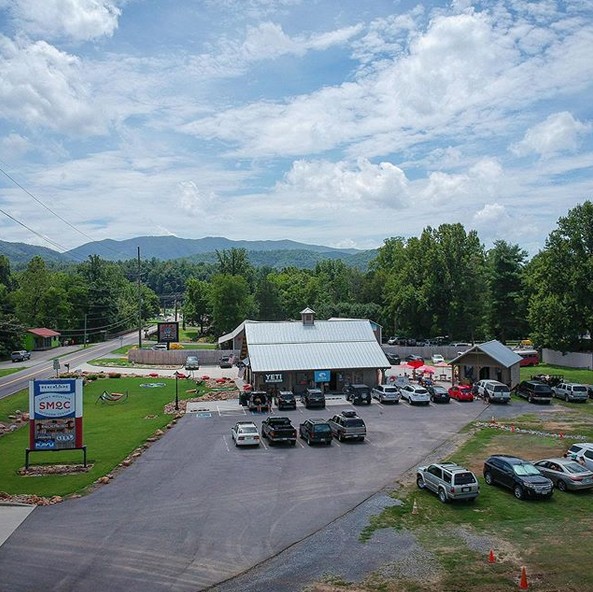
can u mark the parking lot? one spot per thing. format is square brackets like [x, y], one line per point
[194, 510]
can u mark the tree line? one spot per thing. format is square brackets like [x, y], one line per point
[441, 283]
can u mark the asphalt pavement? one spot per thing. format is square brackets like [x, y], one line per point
[194, 511]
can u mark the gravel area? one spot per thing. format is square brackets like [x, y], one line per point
[336, 552]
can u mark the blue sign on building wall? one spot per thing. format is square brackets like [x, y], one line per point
[322, 375]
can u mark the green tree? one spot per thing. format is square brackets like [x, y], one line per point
[234, 262]
[196, 303]
[11, 334]
[560, 280]
[231, 301]
[507, 300]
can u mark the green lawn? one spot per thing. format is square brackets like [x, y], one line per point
[111, 432]
[579, 375]
[531, 533]
[8, 371]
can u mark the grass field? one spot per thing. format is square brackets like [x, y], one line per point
[552, 537]
[111, 432]
[579, 375]
[9, 371]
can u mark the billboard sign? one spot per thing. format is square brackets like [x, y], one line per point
[276, 377]
[168, 332]
[55, 408]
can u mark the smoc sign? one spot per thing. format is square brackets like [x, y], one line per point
[55, 408]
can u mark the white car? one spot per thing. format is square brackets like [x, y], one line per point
[245, 433]
[437, 358]
[415, 394]
[386, 393]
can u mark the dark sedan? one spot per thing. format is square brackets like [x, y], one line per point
[438, 394]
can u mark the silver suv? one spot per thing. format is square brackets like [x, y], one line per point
[493, 391]
[449, 481]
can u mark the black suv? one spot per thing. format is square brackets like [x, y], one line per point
[534, 390]
[358, 393]
[286, 400]
[316, 431]
[313, 397]
[519, 475]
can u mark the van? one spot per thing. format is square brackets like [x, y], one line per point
[582, 453]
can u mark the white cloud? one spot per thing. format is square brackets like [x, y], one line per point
[265, 41]
[342, 184]
[194, 202]
[560, 132]
[481, 180]
[79, 20]
[491, 214]
[14, 146]
[42, 86]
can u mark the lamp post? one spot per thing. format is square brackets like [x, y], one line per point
[176, 391]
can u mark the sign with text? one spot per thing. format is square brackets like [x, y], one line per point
[55, 411]
[273, 378]
[322, 375]
[168, 332]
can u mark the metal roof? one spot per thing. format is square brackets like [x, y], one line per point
[325, 345]
[496, 350]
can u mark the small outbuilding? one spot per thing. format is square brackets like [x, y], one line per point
[295, 355]
[491, 360]
[41, 338]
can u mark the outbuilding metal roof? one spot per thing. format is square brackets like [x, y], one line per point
[325, 345]
[496, 350]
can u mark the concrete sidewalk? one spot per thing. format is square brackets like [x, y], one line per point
[11, 517]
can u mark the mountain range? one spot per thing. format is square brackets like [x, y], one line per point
[272, 253]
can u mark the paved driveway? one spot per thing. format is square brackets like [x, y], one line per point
[194, 510]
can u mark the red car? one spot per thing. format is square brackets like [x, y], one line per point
[461, 392]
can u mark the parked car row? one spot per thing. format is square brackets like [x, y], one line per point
[526, 479]
[343, 426]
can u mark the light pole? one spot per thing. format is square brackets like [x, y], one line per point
[176, 391]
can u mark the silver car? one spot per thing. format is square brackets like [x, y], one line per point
[414, 394]
[570, 391]
[386, 393]
[566, 473]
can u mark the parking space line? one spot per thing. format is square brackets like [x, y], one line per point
[226, 444]
[261, 440]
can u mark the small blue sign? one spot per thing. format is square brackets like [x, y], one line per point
[322, 375]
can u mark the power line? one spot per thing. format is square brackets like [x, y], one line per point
[119, 253]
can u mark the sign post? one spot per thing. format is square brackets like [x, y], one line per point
[55, 411]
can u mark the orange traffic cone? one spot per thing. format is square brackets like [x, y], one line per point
[523, 585]
[491, 558]
[415, 508]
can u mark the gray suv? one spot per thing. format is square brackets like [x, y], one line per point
[449, 481]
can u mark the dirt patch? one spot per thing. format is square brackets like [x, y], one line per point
[515, 445]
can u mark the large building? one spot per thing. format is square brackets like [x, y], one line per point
[295, 355]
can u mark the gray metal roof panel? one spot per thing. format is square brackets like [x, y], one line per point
[316, 356]
[294, 332]
[496, 350]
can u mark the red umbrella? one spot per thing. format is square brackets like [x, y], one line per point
[416, 363]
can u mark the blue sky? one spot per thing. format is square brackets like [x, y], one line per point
[334, 122]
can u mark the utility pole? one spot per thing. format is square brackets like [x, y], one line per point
[84, 338]
[139, 305]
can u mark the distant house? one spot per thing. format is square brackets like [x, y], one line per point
[41, 338]
[490, 360]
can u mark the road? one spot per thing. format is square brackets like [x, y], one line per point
[41, 363]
